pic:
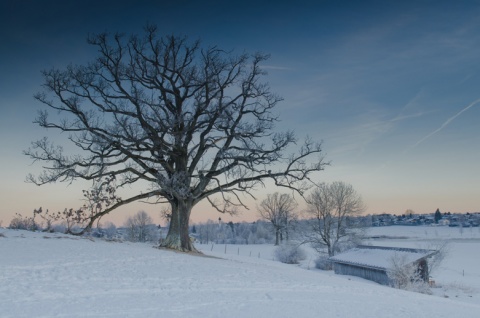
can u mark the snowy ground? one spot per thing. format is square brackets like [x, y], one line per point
[54, 275]
[458, 276]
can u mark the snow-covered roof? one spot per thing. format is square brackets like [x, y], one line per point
[379, 257]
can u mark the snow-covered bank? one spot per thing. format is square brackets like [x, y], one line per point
[53, 275]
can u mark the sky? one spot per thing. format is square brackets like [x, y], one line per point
[390, 87]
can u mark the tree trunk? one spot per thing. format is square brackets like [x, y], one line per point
[178, 237]
[277, 236]
[330, 249]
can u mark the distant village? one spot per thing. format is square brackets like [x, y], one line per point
[469, 219]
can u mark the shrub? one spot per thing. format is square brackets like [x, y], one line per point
[323, 263]
[60, 228]
[290, 254]
[22, 223]
[110, 230]
[406, 276]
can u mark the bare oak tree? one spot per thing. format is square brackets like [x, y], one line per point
[191, 123]
[330, 206]
[278, 209]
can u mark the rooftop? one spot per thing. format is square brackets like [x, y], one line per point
[379, 257]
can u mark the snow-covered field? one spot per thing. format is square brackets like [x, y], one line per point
[55, 275]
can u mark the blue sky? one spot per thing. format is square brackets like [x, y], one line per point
[391, 87]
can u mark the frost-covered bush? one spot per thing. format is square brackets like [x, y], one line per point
[323, 263]
[60, 228]
[110, 230]
[406, 276]
[22, 223]
[290, 254]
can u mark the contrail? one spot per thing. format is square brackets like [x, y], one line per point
[445, 124]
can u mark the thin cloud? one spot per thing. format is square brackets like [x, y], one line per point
[445, 124]
[403, 117]
[410, 106]
[278, 68]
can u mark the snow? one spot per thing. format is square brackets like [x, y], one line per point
[55, 275]
[425, 233]
[379, 258]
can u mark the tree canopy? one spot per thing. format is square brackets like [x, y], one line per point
[331, 206]
[192, 123]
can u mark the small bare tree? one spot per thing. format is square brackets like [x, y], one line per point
[330, 209]
[207, 232]
[140, 228]
[49, 218]
[278, 209]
